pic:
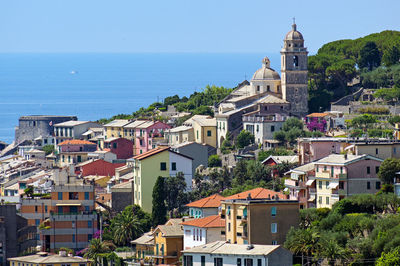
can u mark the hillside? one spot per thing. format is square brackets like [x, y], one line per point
[337, 63]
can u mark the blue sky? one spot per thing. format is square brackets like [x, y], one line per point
[185, 25]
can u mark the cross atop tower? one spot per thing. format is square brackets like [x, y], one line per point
[294, 24]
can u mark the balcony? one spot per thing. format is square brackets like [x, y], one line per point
[312, 190]
[244, 219]
[323, 174]
[341, 176]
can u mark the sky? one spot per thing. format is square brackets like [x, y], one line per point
[206, 26]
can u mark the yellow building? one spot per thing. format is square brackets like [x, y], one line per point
[144, 246]
[115, 129]
[45, 259]
[168, 242]
[204, 129]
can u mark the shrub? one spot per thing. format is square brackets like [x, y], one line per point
[374, 110]
[214, 161]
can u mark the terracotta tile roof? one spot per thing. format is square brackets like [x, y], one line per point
[207, 222]
[213, 201]
[257, 193]
[317, 115]
[76, 142]
[150, 153]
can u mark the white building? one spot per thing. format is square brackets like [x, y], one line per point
[203, 231]
[205, 207]
[221, 253]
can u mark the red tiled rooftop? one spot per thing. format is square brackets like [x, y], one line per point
[317, 115]
[76, 142]
[207, 222]
[213, 201]
[150, 153]
[257, 193]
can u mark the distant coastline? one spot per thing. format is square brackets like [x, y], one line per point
[108, 84]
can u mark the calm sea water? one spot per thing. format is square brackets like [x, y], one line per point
[107, 84]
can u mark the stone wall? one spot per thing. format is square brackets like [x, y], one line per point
[31, 127]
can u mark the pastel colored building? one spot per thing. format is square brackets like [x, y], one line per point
[299, 186]
[72, 130]
[115, 128]
[144, 246]
[204, 129]
[168, 242]
[259, 221]
[147, 134]
[121, 147]
[97, 167]
[222, 253]
[74, 151]
[338, 176]
[179, 135]
[202, 231]
[205, 207]
[275, 160]
[147, 167]
[312, 149]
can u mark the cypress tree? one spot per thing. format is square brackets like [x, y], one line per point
[159, 212]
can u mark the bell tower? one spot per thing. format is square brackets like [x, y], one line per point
[294, 72]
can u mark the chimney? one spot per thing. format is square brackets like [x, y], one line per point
[249, 196]
[345, 156]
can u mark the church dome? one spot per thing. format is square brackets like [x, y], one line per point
[266, 72]
[294, 34]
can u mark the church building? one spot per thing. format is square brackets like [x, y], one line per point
[263, 104]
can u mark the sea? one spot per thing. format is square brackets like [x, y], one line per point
[97, 85]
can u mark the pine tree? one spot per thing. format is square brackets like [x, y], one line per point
[159, 212]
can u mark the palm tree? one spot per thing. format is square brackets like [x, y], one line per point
[95, 249]
[126, 227]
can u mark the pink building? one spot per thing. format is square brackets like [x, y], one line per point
[312, 149]
[147, 134]
[121, 147]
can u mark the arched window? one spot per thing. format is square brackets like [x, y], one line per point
[295, 61]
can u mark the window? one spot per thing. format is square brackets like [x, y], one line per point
[173, 166]
[341, 185]
[89, 224]
[73, 224]
[320, 184]
[163, 166]
[259, 262]
[258, 128]
[326, 184]
[73, 238]
[45, 208]
[317, 168]
[114, 145]
[73, 195]
[378, 185]
[274, 227]
[272, 128]
[87, 208]
[394, 150]
[332, 171]
[325, 168]
[229, 227]
[197, 134]
[258, 88]
[36, 208]
[295, 61]
[368, 185]
[376, 169]
[37, 222]
[89, 237]
[368, 170]
[203, 260]
[208, 133]
[327, 200]
[274, 242]
[60, 209]
[341, 169]
[320, 200]
[376, 151]
[268, 88]
[194, 234]
[188, 260]
[239, 262]
[273, 211]
[248, 262]
[60, 197]
[218, 262]
[86, 195]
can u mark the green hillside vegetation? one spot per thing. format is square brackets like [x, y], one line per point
[374, 57]
[198, 103]
[355, 232]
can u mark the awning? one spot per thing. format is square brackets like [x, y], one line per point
[349, 147]
[68, 204]
[312, 198]
[333, 185]
[286, 189]
[309, 182]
